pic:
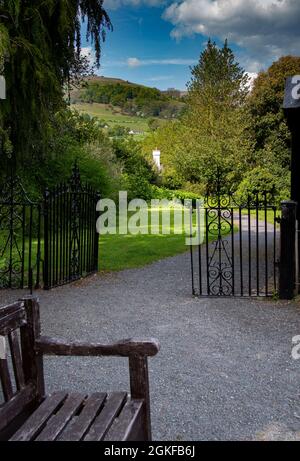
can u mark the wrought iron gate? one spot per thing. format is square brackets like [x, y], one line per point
[49, 243]
[70, 237]
[20, 242]
[238, 256]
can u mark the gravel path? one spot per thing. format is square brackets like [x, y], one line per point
[224, 372]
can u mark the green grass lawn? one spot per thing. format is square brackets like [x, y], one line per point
[119, 252]
[113, 118]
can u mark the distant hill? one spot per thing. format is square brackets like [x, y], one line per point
[130, 98]
[110, 80]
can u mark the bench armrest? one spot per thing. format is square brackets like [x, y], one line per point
[136, 351]
[126, 348]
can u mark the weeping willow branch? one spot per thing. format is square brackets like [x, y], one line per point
[40, 52]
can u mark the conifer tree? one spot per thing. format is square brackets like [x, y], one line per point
[215, 142]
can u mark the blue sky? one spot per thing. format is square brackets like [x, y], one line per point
[155, 42]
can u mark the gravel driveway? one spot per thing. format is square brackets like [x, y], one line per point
[224, 372]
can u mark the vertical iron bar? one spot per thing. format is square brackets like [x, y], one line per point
[191, 251]
[50, 238]
[90, 234]
[30, 250]
[249, 246]
[266, 244]
[220, 242]
[63, 229]
[274, 250]
[69, 234]
[57, 235]
[232, 252]
[70, 243]
[11, 235]
[207, 250]
[79, 232]
[257, 246]
[199, 250]
[23, 244]
[65, 232]
[53, 236]
[86, 224]
[241, 252]
[46, 241]
[38, 261]
[60, 234]
[97, 235]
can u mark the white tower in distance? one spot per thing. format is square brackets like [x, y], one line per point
[156, 158]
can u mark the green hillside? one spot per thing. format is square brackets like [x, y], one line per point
[119, 103]
[129, 98]
[112, 117]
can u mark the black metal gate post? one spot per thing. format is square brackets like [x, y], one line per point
[291, 108]
[46, 241]
[287, 271]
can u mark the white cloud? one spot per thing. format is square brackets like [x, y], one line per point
[135, 62]
[89, 53]
[266, 29]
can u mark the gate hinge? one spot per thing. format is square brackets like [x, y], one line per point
[278, 219]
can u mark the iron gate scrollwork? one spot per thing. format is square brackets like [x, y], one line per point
[220, 262]
[20, 242]
[47, 243]
[71, 239]
[238, 256]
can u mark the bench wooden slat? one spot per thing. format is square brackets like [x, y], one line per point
[16, 405]
[5, 380]
[39, 418]
[16, 359]
[6, 310]
[126, 423]
[80, 425]
[12, 321]
[59, 421]
[102, 423]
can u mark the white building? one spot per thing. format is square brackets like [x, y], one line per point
[156, 158]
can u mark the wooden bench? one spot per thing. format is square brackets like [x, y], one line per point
[28, 414]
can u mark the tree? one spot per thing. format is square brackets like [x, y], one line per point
[41, 53]
[215, 141]
[267, 122]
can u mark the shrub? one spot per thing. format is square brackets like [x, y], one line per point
[137, 172]
[161, 193]
[75, 138]
[261, 180]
